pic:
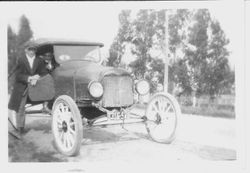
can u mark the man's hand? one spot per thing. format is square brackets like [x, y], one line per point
[36, 77]
[33, 82]
[33, 79]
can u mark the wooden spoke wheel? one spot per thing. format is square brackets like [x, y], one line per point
[67, 126]
[162, 113]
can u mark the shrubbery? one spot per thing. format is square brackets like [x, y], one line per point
[220, 107]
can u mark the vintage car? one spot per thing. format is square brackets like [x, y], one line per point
[87, 93]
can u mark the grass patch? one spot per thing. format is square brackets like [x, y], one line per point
[212, 111]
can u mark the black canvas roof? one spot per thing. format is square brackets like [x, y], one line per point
[49, 41]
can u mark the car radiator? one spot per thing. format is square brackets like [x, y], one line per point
[118, 91]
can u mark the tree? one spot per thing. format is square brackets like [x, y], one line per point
[12, 54]
[24, 34]
[178, 23]
[181, 77]
[206, 55]
[156, 73]
[115, 53]
[144, 34]
[12, 48]
[118, 46]
[16, 41]
[147, 36]
[196, 51]
[220, 75]
[197, 46]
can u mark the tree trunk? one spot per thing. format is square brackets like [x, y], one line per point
[194, 99]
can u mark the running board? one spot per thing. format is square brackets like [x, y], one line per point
[37, 112]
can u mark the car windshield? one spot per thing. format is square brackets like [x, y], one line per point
[74, 52]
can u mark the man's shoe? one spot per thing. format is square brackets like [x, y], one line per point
[45, 109]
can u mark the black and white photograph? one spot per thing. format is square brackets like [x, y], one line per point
[124, 86]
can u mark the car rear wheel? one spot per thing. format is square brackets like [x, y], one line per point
[67, 126]
[162, 112]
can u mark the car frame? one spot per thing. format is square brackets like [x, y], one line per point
[87, 93]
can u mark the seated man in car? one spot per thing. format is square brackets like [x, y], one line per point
[50, 66]
[49, 60]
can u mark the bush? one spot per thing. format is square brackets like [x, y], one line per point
[213, 111]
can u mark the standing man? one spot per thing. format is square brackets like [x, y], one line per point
[29, 69]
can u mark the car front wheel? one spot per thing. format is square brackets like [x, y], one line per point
[162, 112]
[67, 125]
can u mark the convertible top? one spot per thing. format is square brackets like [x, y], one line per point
[52, 41]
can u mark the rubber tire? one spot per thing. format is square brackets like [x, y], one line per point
[79, 128]
[177, 114]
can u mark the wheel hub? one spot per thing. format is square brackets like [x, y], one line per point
[158, 119]
[64, 126]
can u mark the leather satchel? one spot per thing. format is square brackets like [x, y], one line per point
[44, 89]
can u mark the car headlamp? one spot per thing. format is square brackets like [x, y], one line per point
[95, 89]
[142, 87]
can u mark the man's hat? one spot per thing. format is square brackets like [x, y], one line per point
[30, 45]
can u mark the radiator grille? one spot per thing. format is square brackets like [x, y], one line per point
[118, 91]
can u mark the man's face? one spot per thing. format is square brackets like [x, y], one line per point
[30, 52]
[48, 60]
[48, 56]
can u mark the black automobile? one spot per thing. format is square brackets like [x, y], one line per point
[89, 94]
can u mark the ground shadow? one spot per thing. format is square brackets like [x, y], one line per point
[23, 151]
[109, 135]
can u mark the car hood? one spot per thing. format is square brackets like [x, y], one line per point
[88, 71]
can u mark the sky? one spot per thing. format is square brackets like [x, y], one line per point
[99, 21]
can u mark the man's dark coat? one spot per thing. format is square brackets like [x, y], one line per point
[22, 73]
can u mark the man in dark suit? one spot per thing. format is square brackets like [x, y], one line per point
[29, 69]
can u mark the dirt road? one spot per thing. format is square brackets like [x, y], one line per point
[198, 138]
